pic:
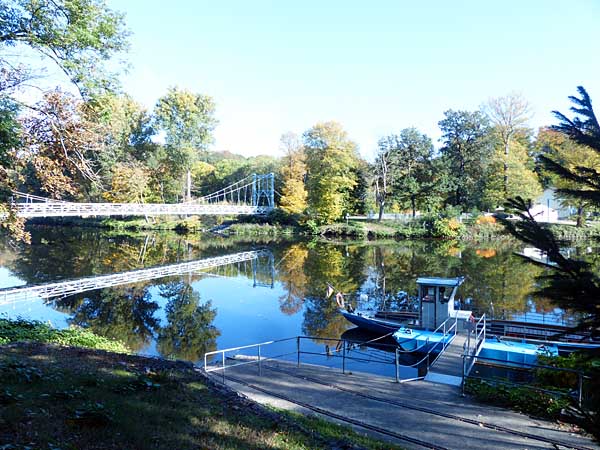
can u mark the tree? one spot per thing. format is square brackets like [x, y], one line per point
[79, 36]
[187, 120]
[130, 184]
[381, 171]
[293, 172]
[570, 283]
[61, 141]
[509, 114]
[510, 175]
[562, 149]
[330, 158]
[10, 141]
[409, 165]
[466, 151]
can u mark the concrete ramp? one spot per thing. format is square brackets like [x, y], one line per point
[413, 414]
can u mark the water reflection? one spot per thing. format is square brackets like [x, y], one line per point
[185, 316]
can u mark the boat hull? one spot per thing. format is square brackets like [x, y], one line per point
[413, 340]
[510, 353]
[379, 326]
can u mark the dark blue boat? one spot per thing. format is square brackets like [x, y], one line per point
[373, 323]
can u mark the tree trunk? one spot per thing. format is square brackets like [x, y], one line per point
[381, 205]
[506, 147]
[580, 216]
[412, 204]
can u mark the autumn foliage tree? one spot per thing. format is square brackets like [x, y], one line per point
[293, 171]
[331, 158]
[61, 141]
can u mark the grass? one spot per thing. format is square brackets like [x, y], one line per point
[69, 397]
[20, 330]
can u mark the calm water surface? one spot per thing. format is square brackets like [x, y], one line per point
[272, 298]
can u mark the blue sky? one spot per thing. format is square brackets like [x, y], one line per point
[374, 66]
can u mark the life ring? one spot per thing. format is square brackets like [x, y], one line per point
[339, 298]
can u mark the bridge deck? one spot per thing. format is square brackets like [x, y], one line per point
[68, 209]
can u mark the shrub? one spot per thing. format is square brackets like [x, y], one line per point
[485, 220]
[19, 330]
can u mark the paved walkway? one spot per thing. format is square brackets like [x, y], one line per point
[419, 414]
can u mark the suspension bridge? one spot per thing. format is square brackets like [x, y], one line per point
[253, 195]
[70, 287]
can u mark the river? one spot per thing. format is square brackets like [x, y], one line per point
[270, 298]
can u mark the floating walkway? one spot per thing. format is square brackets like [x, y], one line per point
[64, 288]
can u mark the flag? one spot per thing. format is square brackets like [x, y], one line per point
[330, 290]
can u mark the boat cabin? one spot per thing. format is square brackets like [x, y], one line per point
[436, 300]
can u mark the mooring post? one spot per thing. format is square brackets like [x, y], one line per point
[344, 357]
[397, 359]
[298, 349]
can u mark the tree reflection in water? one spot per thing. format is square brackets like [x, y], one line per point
[189, 332]
[126, 313]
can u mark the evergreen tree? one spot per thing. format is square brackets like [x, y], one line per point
[570, 283]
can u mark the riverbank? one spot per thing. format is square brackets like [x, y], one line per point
[484, 229]
[56, 396]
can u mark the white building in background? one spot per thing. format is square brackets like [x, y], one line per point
[548, 208]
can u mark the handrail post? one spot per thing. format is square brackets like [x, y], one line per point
[259, 363]
[223, 363]
[343, 356]
[298, 349]
[463, 374]
[484, 326]
[398, 366]
[580, 389]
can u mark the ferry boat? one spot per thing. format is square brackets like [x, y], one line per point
[435, 304]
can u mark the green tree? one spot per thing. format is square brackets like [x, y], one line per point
[466, 152]
[409, 154]
[330, 160]
[10, 142]
[79, 36]
[293, 171]
[187, 120]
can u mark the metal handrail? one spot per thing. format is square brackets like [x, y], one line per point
[346, 343]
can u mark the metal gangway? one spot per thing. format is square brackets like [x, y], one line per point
[69, 287]
[253, 195]
[291, 350]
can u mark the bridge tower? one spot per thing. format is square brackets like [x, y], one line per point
[263, 187]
